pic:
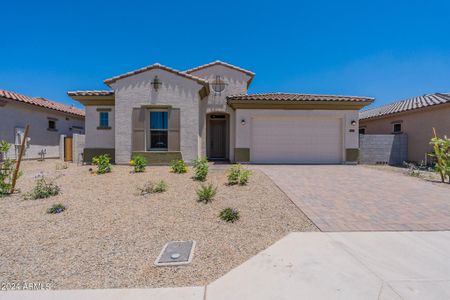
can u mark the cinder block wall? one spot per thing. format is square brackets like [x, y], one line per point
[383, 148]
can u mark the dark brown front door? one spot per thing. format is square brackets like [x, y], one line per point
[217, 139]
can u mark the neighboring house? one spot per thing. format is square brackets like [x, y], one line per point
[47, 119]
[415, 117]
[166, 114]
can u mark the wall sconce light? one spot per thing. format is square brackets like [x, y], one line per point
[156, 83]
[243, 122]
[353, 122]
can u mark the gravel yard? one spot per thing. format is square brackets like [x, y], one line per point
[109, 236]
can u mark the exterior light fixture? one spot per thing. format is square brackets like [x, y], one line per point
[353, 122]
[243, 122]
[156, 83]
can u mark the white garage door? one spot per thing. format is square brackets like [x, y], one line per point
[296, 140]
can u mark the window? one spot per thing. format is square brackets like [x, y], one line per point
[158, 130]
[104, 119]
[362, 131]
[51, 125]
[397, 128]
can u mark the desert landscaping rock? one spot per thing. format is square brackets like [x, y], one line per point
[110, 237]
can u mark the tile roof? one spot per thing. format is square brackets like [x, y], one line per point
[91, 93]
[218, 62]
[156, 66]
[288, 97]
[42, 102]
[405, 105]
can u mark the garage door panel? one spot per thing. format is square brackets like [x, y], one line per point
[296, 140]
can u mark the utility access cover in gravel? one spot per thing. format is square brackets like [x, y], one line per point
[176, 253]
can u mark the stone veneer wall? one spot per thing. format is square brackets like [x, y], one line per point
[389, 149]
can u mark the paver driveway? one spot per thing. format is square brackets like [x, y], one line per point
[356, 198]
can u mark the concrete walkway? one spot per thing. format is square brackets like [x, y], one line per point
[357, 265]
[315, 265]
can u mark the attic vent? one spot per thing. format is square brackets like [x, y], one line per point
[218, 84]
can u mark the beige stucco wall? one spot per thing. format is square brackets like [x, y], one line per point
[236, 83]
[243, 132]
[177, 91]
[15, 114]
[99, 138]
[417, 125]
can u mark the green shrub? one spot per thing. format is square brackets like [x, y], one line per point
[201, 169]
[139, 163]
[160, 187]
[43, 189]
[441, 152]
[56, 209]
[103, 163]
[229, 215]
[7, 167]
[150, 188]
[238, 175]
[206, 193]
[178, 166]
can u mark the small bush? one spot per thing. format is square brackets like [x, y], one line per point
[201, 169]
[56, 209]
[178, 166]
[43, 189]
[238, 175]
[7, 167]
[206, 193]
[150, 188]
[103, 163]
[160, 187]
[139, 163]
[229, 215]
[413, 170]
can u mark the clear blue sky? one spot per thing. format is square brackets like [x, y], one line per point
[389, 50]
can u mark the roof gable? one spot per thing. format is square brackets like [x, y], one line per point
[111, 80]
[221, 63]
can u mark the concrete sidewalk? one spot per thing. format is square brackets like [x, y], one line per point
[355, 265]
[315, 265]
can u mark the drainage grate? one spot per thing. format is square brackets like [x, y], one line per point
[176, 253]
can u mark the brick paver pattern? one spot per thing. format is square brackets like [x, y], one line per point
[359, 198]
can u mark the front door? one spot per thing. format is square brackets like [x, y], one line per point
[217, 138]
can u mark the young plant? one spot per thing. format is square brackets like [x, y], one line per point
[7, 167]
[43, 189]
[229, 215]
[150, 188]
[178, 166]
[201, 169]
[238, 175]
[103, 163]
[160, 187]
[206, 193]
[139, 163]
[441, 153]
[56, 209]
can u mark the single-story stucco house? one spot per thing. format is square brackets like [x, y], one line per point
[167, 114]
[48, 120]
[414, 117]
